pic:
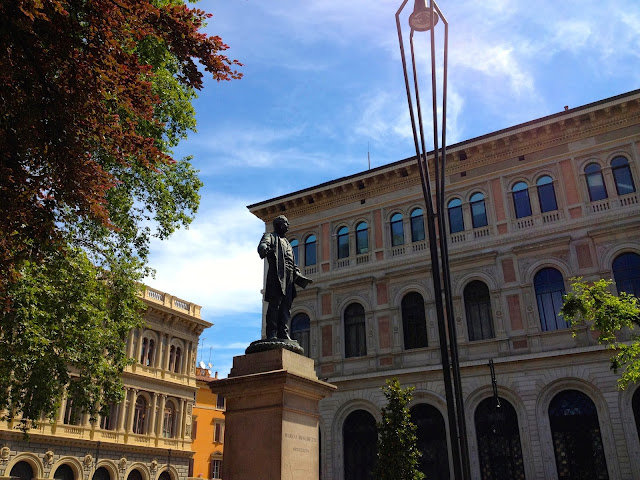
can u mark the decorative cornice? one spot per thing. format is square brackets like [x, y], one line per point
[513, 142]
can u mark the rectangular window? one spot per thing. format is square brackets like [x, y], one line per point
[220, 402]
[216, 468]
[218, 432]
[478, 215]
[456, 221]
[521, 203]
[547, 197]
[343, 246]
[362, 242]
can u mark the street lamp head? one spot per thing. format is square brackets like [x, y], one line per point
[420, 19]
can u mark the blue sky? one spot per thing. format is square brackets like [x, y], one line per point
[323, 82]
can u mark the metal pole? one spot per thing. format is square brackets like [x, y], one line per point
[439, 259]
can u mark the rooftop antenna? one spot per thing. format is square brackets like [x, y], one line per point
[210, 355]
[368, 156]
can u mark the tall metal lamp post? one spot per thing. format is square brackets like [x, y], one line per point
[424, 19]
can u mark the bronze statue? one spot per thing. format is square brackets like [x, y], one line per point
[282, 277]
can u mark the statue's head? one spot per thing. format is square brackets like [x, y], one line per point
[280, 224]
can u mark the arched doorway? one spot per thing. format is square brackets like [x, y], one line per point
[102, 474]
[360, 437]
[432, 441]
[635, 405]
[134, 475]
[577, 442]
[165, 476]
[64, 472]
[499, 448]
[22, 471]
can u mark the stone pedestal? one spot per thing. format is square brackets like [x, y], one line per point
[271, 418]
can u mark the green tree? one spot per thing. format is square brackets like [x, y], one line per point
[398, 456]
[609, 315]
[95, 95]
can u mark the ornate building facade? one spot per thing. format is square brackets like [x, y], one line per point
[528, 208]
[148, 435]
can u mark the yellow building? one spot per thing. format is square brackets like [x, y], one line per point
[148, 435]
[208, 428]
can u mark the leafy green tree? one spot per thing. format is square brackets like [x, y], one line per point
[609, 314]
[398, 456]
[95, 95]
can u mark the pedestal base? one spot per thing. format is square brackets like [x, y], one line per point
[271, 418]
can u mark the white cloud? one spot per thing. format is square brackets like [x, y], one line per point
[214, 263]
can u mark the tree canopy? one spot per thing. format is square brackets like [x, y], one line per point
[609, 315]
[398, 454]
[95, 95]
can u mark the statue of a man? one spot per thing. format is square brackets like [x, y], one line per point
[282, 277]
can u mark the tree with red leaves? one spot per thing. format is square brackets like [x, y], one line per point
[94, 95]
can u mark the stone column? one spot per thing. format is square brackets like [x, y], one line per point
[181, 412]
[152, 416]
[272, 412]
[132, 409]
[122, 408]
[163, 401]
[63, 407]
[166, 352]
[184, 360]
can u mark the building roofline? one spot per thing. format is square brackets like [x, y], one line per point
[457, 146]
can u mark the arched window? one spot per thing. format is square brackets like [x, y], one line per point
[139, 415]
[456, 221]
[521, 202]
[168, 420]
[397, 230]
[21, 471]
[134, 475]
[101, 474]
[432, 441]
[355, 343]
[148, 350]
[143, 353]
[576, 437]
[300, 328]
[635, 406]
[310, 251]
[414, 322]
[71, 413]
[108, 422]
[64, 472]
[151, 351]
[595, 182]
[478, 210]
[172, 358]
[626, 272]
[294, 246]
[499, 449]
[417, 225]
[622, 176]
[164, 476]
[360, 437]
[177, 366]
[343, 242]
[362, 238]
[549, 286]
[477, 306]
[546, 194]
